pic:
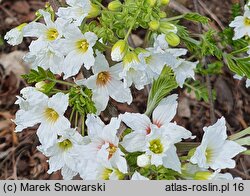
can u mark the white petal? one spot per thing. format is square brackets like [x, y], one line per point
[134, 142]
[137, 176]
[172, 160]
[137, 122]
[94, 125]
[165, 111]
[100, 97]
[59, 102]
[117, 91]
[72, 64]
[101, 64]
[47, 18]
[34, 29]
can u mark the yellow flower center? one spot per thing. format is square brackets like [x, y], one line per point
[106, 173]
[103, 78]
[209, 155]
[247, 21]
[52, 34]
[65, 144]
[111, 149]
[82, 45]
[148, 59]
[156, 146]
[51, 115]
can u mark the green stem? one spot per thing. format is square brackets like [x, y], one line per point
[239, 134]
[174, 18]
[98, 3]
[76, 119]
[131, 27]
[62, 82]
[71, 115]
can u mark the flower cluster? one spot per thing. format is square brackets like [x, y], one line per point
[90, 39]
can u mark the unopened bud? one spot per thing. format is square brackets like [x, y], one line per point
[154, 25]
[40, 85]
[143, 160]
[151, 2]
[162, 14]
[172, 39]
[95, 10]
[115, 6]
[119, 50]
[166, 27]
[165, 2]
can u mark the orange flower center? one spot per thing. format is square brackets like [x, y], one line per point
[103, 78]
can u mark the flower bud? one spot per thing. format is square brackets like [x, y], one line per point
[40, 85]
[143, 160]
[115, 5]
[165, 2]
[95, 10]
[119, 50]
[162, 14]
[154, 25]
[151, 2]
[166, 27]
[15, 36]
[172, 39]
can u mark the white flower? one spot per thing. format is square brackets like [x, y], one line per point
[154, 63]
[106, 82]
[156, 139]
[183, 69]
[48, 111]
[143, 160]
[100, 171]
[133, 71]
[119, 50]
[142, 125]
[65, 153]
[15, 35]
[48, 32]
[104, 142]
[241, 25]
[45, 55]
[138, 176]
[215, 151]
[76, 11]
[78, 50]
[240, 78]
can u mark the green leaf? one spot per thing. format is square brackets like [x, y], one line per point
[212, 68]
[244, 141]
[209, 45]
[247, 152]
[38, 75]
[240, 66]
[200, 90]
[160, 89]
[196, 17]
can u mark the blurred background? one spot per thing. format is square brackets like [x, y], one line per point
[19, 158]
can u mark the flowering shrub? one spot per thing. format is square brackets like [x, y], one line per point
[86, 37]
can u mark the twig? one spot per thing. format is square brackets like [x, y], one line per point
[211, 14]
[178, 7]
